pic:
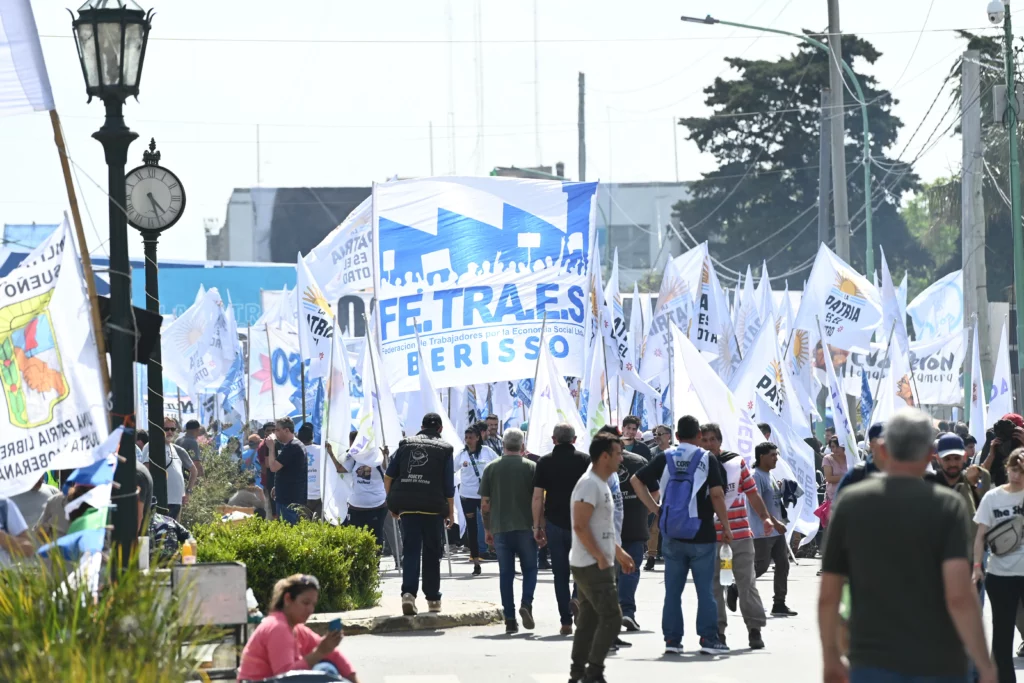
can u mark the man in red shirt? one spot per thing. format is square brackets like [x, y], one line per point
[739, 487]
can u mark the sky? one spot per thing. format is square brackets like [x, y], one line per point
[346, 93]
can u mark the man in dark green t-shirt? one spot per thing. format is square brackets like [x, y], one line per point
[901, 542]
[506, 498]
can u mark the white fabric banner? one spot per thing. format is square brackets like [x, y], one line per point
[938, 311]
[24, 83]
[316, 323]
[274, 372]
[378, 423]
[342, 263]
[679, 285]
[551, 404]
[339, 406]
[475, 265]
[1000, 400]
[842, 422]
[195, 345]
[978, 422]
[55, 415]
[800, 459]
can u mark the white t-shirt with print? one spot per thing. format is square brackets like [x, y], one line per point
[367, 485]
[175, 474]
[593, 490]
[464, 464]
[997, 506]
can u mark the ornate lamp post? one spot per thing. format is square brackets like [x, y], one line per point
[111, 36]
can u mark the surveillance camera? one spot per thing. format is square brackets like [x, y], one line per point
[996, 11]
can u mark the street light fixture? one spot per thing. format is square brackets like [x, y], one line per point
[111, 36]
[869, 259]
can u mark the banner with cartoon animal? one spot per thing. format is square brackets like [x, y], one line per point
[53, 413]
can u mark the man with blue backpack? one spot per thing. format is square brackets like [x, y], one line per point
[692, 486]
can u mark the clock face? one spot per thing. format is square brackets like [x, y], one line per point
[155, 197]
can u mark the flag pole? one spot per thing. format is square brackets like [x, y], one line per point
[270, 352]
[536, 371]
[248, 374]
[90, 282]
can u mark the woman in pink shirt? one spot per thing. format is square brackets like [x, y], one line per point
[283, 642]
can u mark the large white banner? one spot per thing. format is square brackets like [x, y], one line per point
[24, 83]
[52, 387]
[477, 264]
[936, 365]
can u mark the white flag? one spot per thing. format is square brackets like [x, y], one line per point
[795, 452]
[893, 319]
[342, 262]
[746, 312]
[843, 425]
[595, 404]
[763, 374]
[979, 421]
[24, 83]
[378, 423]
[938, 311]
[192, 346]
[55, 414]
[679, 284]
[339, 409]
[1000, 401]
[552, 404]
[316, 323]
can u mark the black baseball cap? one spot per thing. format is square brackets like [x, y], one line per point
[431, 421]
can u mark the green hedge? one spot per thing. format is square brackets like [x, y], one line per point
[343, 559]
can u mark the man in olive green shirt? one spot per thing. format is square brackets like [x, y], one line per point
[506, 498]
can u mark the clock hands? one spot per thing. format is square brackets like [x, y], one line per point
[156, 207]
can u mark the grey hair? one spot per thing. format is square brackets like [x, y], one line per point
[563, 433]
[909, 435]
[512, 441]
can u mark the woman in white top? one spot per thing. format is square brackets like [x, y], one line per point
[1004, 578]
[470, 464]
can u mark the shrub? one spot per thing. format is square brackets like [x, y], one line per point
[344, 559]
[221, 478]
[134, 630]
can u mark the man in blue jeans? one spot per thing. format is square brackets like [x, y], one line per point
[634, 537]
[506, 495]
[696, 554]
[555, 477]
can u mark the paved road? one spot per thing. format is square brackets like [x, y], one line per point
[485, 654]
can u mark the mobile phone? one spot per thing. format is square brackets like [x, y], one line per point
[335, 625]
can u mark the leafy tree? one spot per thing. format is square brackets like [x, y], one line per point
[939, 236]
[767, 121]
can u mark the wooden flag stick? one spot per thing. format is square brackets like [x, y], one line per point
[90, 282]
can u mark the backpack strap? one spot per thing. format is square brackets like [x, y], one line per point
[695, 461]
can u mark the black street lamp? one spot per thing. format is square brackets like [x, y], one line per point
[111, 36]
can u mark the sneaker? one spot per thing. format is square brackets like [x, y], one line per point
[782, 611]
[476, 569]
[673, 648]
[434, 606]
[721, 638]
[756, 643]
[713, 647]
[565, 630]
[649, 567]
[409, 605]
[511, 626]
[526, 614]
[629, 623]
[732, 596]
[619, 642]
[574, 607]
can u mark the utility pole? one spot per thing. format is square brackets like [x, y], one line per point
[1011, 126]
[840, 206]
[972, 212]
[581, 125]
[824, 166]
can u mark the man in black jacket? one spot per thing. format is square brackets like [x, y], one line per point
[420, 483]
[553, 481]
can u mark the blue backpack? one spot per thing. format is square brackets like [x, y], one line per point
[676, 521]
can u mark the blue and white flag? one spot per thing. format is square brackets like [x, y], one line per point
[475, 265]
[24, 83]
[316, 323]
[867, 404]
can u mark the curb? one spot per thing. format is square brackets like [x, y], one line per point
[467, 614]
